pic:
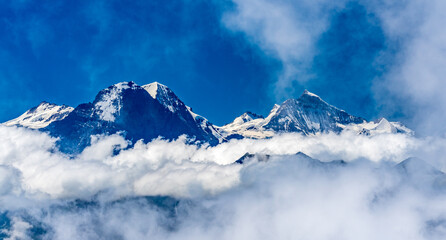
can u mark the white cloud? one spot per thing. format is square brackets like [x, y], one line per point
[416, 83]
[18, 230]
[163, 167]
[287, 30]
[286, 197]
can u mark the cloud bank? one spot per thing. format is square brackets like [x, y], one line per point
[177, 190]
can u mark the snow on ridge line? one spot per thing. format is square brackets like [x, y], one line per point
[168, 99]
[41, 116]
[257, 128]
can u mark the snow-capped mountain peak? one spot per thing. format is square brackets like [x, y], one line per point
[40, 116]
[308, 114]
[131, 110]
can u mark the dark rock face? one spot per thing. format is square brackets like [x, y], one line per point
[127, 108]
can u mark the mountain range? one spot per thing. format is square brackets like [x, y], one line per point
[153, 110]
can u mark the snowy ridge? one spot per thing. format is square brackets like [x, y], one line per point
[250, 125]
[132, 111]
[40, 116]
[206, 125]
[380, 126]
[309, 114]
[164, 95]
[169, 100]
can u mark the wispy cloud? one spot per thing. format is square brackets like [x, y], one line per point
[287, 30]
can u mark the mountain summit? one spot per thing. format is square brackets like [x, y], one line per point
[131, 109]
[308, 114]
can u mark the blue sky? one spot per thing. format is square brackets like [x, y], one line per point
[221, 57]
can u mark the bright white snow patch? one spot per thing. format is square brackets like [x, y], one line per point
[110, 102]
[152, 89]
[41, 116]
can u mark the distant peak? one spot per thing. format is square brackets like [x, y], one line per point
[301, 154]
